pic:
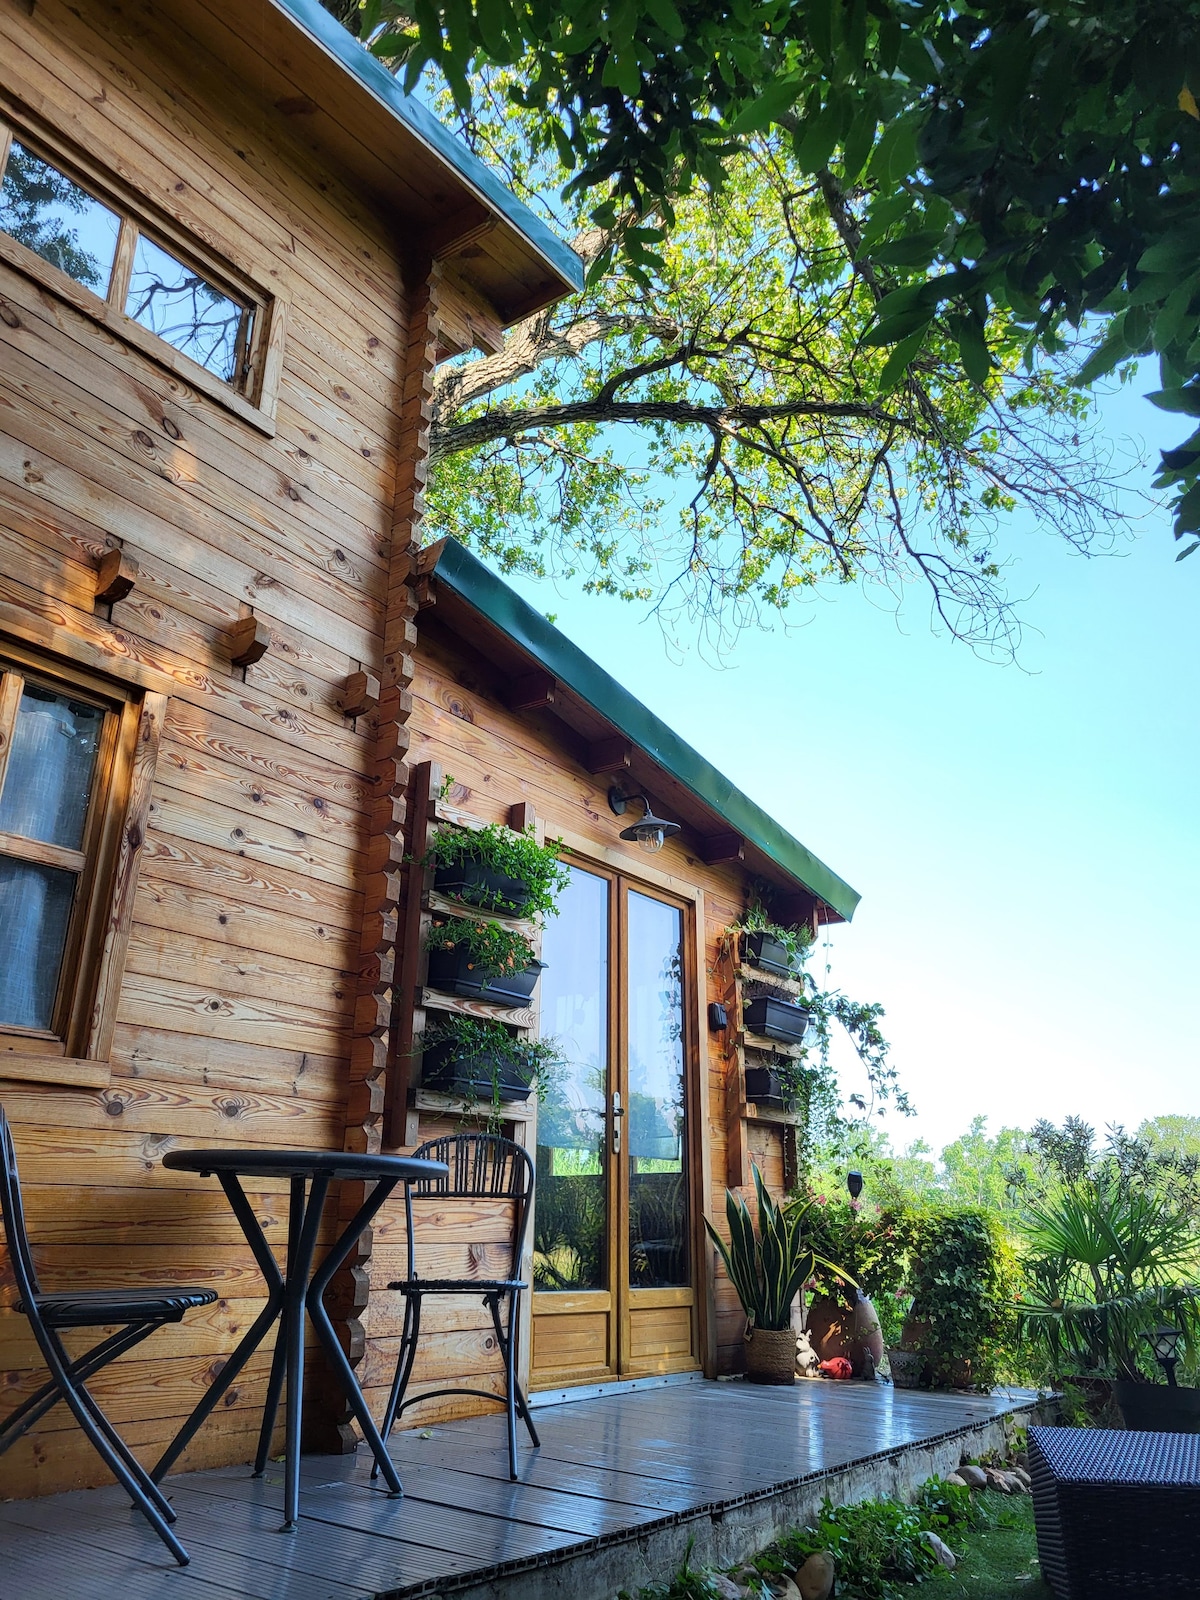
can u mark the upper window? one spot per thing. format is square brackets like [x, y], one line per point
[135, 269]
[60, 737]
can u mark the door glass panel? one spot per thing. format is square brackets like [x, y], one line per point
[35, 909]
[51, 767]
[570, 1227]
[658, 1223]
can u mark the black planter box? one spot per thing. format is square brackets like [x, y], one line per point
[1157, 1407]
[768, 954]
[453, 972]
[763, 1088]
[776, 1019]
[475, 1077]
[481, 885]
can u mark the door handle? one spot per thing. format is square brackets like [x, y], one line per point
[618, 1111]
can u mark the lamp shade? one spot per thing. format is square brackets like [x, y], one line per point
[1164, 1341]
[854, 1182]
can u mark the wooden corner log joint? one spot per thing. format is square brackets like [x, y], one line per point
[116, 576]
[360, 695]
[249, 641]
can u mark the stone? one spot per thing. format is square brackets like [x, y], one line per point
[973, 1477]
[941, 1550]
[783, 1588]
[814, 1581]
[1015, 1484]
[957, 1479]
[1022, 1476]
[998, 1481]
[726, 1588]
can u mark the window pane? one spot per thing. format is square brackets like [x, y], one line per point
[35, 908]
[183, 308]
[658, 1226]
[51, 768]
[570, 1218]
[48, 212]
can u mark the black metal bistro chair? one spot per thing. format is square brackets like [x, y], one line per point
[482, 1166]
[139, 1311]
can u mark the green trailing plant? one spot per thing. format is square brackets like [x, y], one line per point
[797, 941]
[767, 1269]
[1106, 1262]
[870, 1243]
[964, 1280]
[483, 1040]
[875, 1545]
[491, 950]
[515, 855]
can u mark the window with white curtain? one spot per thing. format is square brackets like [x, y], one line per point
[57, 740]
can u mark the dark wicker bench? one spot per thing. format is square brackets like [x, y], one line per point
[1118, 1514]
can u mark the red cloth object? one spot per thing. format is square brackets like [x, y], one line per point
[836, 1367]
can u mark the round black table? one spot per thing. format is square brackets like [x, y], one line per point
[298, 1286]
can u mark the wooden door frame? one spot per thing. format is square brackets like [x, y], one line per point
[616, 863]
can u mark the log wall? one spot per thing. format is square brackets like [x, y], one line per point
[237, 1010]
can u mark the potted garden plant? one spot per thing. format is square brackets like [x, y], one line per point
[498, 869]
[779, 1085]
[482, 960]
[1107, 1265]
[767, 1270]
[962, 1273]
[840, 1314]
[775, 950]
[479, 1059]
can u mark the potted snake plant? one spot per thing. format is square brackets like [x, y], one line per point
[767, 1270]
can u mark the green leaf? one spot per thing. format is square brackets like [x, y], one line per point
[1135, 329]
[1191, 549]
[1105, 357]
[761, 112]
[668, 19]
[820, 17]
[896, 364]
[973, 350]
[910, 249]
[814, 139]
[1186, 399]
[898, 328]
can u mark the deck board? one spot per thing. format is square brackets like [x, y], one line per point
[610, 1469]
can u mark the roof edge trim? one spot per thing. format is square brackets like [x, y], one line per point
[328, 33]
[488, 594]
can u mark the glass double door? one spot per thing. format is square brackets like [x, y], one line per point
[613, 1272]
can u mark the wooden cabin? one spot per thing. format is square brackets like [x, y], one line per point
[233, 692]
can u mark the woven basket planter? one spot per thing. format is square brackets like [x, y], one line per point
[770, 1355]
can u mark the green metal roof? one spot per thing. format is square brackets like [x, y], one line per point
[419, 120]
[489, 595]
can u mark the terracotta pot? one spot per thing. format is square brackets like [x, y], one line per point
[770, 1355]
[837, 1330]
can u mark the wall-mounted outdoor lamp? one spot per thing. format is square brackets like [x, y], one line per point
[651, 832]
[854, 1182]
[1164, 1342]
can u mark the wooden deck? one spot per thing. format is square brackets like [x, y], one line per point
[613, 1472]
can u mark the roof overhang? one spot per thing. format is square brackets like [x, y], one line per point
[612, 733]
[318, 80]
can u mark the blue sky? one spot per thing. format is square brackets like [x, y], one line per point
[1024, 837]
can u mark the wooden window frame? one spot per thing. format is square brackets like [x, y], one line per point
[75, 1049]
[255, 397]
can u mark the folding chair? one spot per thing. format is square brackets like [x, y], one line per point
[482, 1166]
[140, 1311]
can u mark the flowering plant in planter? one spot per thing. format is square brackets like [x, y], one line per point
[491, 950]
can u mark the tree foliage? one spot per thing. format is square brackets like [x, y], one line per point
[712, 432]
[1017, 171]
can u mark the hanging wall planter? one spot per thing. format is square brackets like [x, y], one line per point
[480, 885]
[763, 950]
[765, 1088]
[776, 1019]
[448, 1069]
[454, 971]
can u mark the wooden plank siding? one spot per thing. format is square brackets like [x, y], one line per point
[237, 1006]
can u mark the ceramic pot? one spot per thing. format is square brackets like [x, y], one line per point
[771, 1355]
[908, 1368]
[835, 1329]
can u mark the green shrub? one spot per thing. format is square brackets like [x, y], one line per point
[875, 1545]
[491, 949]
[964, 1281]
[517, 855]
[945, 1506]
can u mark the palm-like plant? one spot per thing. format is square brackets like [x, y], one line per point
[768, 1270]
[1107, 1262]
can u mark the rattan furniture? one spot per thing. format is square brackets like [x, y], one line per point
[138, 1312]
[477, 1166]
[1118, 1514]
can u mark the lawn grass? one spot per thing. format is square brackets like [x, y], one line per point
[999, 1560]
